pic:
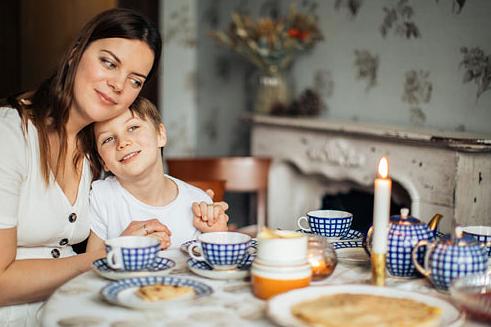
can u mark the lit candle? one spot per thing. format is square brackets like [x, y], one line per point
[381, 212]
[381, 207]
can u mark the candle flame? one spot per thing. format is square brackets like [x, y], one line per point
[383, 168]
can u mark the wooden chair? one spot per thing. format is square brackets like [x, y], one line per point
[216, 185]
[242, 174]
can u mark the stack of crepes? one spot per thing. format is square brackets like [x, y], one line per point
[363, 310]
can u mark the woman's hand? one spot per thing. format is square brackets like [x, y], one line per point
[151, 227]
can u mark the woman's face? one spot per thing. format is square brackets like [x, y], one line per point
[109, 77]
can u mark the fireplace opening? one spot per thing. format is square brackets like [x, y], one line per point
[359, 201]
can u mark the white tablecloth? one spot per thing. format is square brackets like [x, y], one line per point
[78, 303]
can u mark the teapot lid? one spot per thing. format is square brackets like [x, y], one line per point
[404, 218]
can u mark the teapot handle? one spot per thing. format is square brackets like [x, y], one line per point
[414, 256]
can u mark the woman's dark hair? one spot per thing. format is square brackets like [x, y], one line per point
[48, 106]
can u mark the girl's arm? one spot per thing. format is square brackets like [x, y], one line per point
[32, 280]
[95, 243]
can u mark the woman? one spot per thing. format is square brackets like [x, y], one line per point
[44, 175]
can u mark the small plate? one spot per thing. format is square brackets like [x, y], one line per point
[160, 267]
[279, 307]
[123, 292]
[203, 269]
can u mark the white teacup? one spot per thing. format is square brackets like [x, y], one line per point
[131, 253]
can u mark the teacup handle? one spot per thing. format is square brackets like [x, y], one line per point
[414, 255]
[299, 223]
[251, 250]
[114, 259]
[192, 254]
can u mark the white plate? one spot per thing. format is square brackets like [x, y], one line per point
[279, 307]
[202, 269]
[123, 292]
[162, 266]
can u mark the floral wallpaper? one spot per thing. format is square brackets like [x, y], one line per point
[399, 62]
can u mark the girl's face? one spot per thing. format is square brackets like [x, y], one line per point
[130, 146]
[109, 77]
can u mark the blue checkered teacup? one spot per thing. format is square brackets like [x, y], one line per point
[328, 223]
[481, 233]
[221, 250]
[131, 253]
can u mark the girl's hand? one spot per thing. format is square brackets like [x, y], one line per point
[149, 227]
[210, 217]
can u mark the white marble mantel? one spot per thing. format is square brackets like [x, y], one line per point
[443, 171]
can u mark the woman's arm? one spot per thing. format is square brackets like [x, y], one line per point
[32, 280]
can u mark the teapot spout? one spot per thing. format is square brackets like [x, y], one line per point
[434, 221]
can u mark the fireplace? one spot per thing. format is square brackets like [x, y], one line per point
[433, 171]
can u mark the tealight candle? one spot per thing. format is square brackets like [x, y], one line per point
[381, 212]
[321, 257]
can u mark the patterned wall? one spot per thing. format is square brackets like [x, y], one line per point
[423, 63]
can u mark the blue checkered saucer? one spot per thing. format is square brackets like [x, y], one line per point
[160, 267]
[203, 269]
[352, 236]
[123, 292]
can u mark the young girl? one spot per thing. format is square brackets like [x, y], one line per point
[129, 148]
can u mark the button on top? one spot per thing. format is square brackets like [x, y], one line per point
[72, 217]
[64, 241]
[55, 253]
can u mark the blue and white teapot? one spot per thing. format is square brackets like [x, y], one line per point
[449, 258]
[403, 235]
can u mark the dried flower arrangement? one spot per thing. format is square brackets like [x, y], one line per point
[477, 67]
[271, 44]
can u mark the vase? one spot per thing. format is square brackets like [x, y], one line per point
[272, 91]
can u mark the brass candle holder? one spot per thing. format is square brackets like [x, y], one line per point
[378, 268]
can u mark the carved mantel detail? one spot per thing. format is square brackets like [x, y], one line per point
[336, 152]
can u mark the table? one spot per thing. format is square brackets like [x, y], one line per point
[77, 303]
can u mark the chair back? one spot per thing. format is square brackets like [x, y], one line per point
[216, 185]
[242, 174]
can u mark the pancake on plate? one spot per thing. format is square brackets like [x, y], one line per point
[159, 292]
[363, 310]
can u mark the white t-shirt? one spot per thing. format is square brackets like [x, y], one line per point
[112, 208]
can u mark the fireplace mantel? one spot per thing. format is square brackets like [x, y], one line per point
[443, 171]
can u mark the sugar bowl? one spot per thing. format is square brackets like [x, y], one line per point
[281, 263]
[449, 258]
